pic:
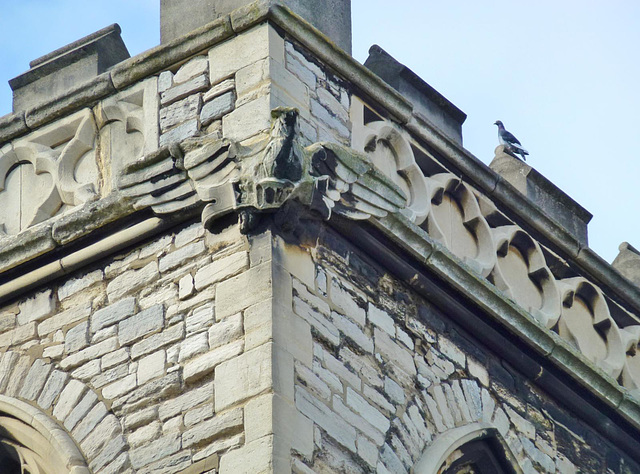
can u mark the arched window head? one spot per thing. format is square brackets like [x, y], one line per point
[32, 443]
[477, 448]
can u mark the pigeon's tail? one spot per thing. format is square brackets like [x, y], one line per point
[518, 150]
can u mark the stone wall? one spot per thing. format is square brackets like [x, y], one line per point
[390, 374]
[123, 354]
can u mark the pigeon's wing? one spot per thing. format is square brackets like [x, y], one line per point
[509, 137]
[347, 183]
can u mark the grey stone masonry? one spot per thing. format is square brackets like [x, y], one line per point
[332, 17]
[68, 67]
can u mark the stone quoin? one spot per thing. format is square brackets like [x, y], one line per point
[242, 251]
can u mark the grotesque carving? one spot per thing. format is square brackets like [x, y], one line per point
[250, 180]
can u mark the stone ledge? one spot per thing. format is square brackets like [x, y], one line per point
[12, 126]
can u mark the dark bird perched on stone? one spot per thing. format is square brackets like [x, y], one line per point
[512, 144]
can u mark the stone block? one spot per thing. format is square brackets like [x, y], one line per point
[132, 280]
[92, 352]
[158, 449]
[142, 324]
[80, 410]
[52, 388]
[180, 256]
[151, 366]
[150, 344]
[271, 414]
[192, 346]
[244, 376]
[64, 318]
[186, 287]
[219, 89]
[256, 457]
[206, 363]
[76, 285]
[225, 331]
[248, 119]
[113, 314]
[181, 111]
[35, 380]
[180, 133]
[89, 422]
[218, 107]
[100, 436]
[352, 331]
[394, 353]
[69, 397]
[217, 426]
[221, 269]
[36, 308]
[180, 91]
[345, 300]
[110, 451]
[335, 425]
[120, 387]
[257, 278]
[192, 68]
[362, 424]
[186, 401]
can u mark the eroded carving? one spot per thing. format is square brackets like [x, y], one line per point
[48, 172]
[522, 273]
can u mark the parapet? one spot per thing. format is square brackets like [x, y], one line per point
[63, 69]
[426, 101]
[331, 17]
[551, 199]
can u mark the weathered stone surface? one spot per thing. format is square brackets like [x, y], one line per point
[206, 363]
[218, 425]
[76, 285]
[100, 436]
[218, 107]
[80, 410]
[180, 91]
[331, 422]
[131, 280]
[35, 380]
[181, 111]
[151, 366]
[89, 422]
[120, 387]
[257, 278]
[221, 269]
[170, 335]
[186, 401]
[158, 449]
[194, 67]
[58, 321]
[90, 353]
[54, 385]
[192, 346]
[145, 322]
[113, 314]
[68, 399]
[244, 376]
[36, 308]
[181, 132]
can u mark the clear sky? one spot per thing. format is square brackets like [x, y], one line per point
[564, 77]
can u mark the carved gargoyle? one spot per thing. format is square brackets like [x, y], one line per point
[227, 177]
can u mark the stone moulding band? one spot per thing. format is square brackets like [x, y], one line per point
[82, 257]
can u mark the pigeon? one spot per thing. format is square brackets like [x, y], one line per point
[512, 143]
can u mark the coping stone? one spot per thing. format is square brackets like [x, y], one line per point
[11, 126]
[550, 198]
[60, 71]
[425, 99]
[628, 262]
[331, 17]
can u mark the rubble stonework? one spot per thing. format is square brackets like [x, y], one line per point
[250, 254]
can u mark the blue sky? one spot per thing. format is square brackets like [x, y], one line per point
[562, 76]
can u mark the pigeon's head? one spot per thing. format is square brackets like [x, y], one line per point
[498, 123]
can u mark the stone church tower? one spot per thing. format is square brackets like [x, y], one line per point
[243, 251]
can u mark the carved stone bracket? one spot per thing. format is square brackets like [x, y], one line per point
[226, 177]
